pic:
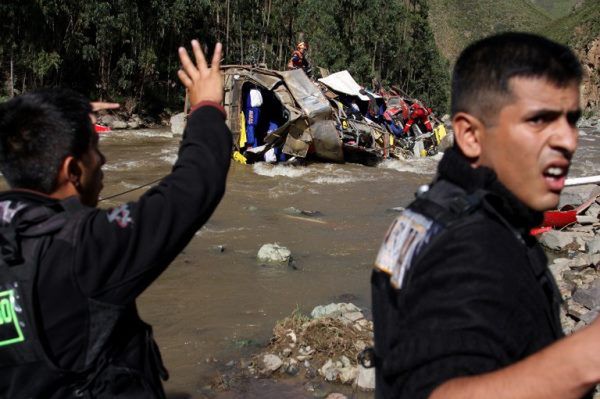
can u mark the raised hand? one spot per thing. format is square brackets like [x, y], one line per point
[203, 83]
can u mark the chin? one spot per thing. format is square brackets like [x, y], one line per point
[546, 202]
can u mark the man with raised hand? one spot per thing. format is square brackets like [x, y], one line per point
[464, 305]
[70, 273]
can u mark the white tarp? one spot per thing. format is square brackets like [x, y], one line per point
[343, 82]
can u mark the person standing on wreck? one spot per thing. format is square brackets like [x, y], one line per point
[70, 272]
[464, 305]
[299, 59]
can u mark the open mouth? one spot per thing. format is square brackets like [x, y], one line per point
[555, 177]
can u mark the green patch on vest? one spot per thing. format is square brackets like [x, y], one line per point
[10, 330]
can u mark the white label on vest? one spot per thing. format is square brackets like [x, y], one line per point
[403, 241]
[10, 330]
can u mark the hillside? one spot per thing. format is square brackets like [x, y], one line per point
[454, 27]
[557, 8]
[581, 31]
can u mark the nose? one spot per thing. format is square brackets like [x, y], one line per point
[565, 136]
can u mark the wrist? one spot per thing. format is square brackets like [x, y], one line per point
[586, 350]
[208, 103]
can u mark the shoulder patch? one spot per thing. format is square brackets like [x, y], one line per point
[120, 215]
[403, 241]
[8, 209]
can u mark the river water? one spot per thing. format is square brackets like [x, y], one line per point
[211, 306]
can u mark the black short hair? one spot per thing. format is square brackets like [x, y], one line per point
[480, 82]
[37, 131]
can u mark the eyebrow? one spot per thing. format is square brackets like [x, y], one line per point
[551, 114]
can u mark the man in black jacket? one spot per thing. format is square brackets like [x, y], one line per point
[463, 303]
[70, 273]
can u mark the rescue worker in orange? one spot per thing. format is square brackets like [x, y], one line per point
[298, 60]
[418, 113]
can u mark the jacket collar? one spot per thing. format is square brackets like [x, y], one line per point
[455, 168]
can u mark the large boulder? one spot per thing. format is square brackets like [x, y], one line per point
[334, 310]
[274, 254]
[135, 122]
[177, 123]
[271, 363]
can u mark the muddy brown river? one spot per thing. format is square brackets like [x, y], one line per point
[211, 307]
[216, 304]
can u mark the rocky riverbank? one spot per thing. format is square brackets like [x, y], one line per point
[324, 347]
[316, 349]
[576, 266]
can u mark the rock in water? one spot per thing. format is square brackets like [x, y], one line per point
[366, 378]
[274, 253]
[177, 123]
[271, 363]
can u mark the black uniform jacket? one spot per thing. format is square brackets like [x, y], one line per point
[462, 299]
[111, 256]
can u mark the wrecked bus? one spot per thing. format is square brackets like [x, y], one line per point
[294, 116]
[282, 115]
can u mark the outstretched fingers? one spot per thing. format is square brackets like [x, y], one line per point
[187, 65]
[199, 55]
[215, 64]
[203, 84]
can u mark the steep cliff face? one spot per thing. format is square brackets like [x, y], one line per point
[590, 93]
[581, 31]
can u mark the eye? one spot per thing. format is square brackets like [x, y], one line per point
[537, 120]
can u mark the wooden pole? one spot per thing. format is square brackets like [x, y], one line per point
[12, 77]
[186, 102]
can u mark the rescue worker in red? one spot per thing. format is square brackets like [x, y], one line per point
[298, 60]
[418, 113]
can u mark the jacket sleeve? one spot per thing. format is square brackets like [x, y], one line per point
[457, 314]
[122, 250]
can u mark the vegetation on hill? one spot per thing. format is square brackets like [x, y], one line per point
[126, 50]
[581, 31]
[456, 23]
[557, 8]
[578, 28]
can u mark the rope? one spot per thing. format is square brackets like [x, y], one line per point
[131, 190]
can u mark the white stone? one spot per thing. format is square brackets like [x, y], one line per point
[354, 316]
[274, 253]
[593, 246]
[118, 124]
[366, 378]
[333, 310]
[292, 335]
[271, 362]
[177, 123]
[329, 371]
[348, 374]
[336, 395]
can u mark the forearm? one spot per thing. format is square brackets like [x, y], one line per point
[566, 370]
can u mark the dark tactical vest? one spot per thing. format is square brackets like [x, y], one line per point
[119, 341]
[445, 206]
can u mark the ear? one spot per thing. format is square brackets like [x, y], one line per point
[70, 172]
[468, 134]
